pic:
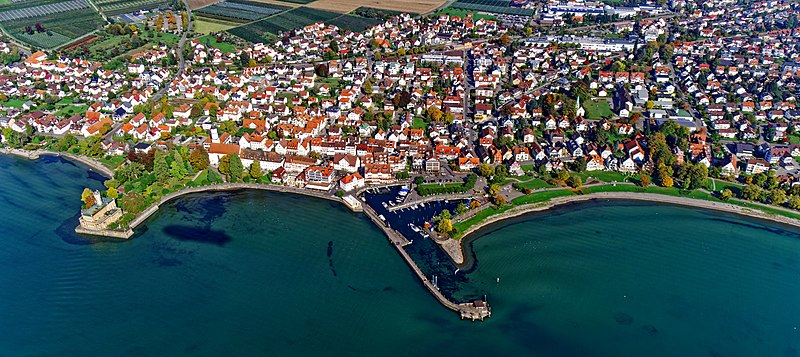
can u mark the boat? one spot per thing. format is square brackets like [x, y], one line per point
[382, 218]
[413, 227]
[425, 235]
[384, 205]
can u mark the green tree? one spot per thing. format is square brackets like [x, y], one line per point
[725, 194]
[160, 167]
[461, 208]
[485, 170]
[574, 181]
[444, 226]
[494, 190]
[112, 193]
[236, 167]
[794, 202]
[133, 202]
[177, 169]
[777, 196]
[752, 192]
[225, 165]
[255, 170]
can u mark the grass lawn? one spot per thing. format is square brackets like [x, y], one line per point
[206, 27]
[597, 110]
[212, 42]
[14, 103]
[605, 176]
[463, 13]
[112, 161]
[534, 184]
[71, 110]
[419, 123]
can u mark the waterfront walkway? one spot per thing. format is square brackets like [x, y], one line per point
[88, 161]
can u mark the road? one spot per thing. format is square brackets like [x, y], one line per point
[181, 61]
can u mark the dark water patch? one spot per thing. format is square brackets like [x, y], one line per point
[166, 261]
[650, 329]
[791, 352]
[389, 288]
[623, 319]
[197, 234]
[715, 353]
[330, 248]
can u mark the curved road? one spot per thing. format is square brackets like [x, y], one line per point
[181, 61]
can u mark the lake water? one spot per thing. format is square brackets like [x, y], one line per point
[261, 273]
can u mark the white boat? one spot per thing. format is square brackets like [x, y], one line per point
[384, 204]
[425, 235]
[382, 218]
[413, 227]
[422, 204]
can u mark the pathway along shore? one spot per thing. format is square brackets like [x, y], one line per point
[458, 254]
[93, 164]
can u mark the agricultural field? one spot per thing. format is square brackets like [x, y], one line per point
[491, 6]
[55, 29]
[197, 4]
[289, 20]
[118, 7]
[463, 13]
[36, 9]
[347, 6]
[354, 23]
[205, 26]
[240, 10]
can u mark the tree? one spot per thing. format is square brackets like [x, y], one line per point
[133, 202]
[725, 194]
[255, 170]
[87, 196]
[574, 181]
[225, 165]
[644, 181]
[777, 196]
[160, 167]
[499, 200]
[419, 180]
[112, 193]
[445, 226]
[198, 158]
[461, 208]
[485, 170]
[794, 202]
[474, 204]
[752, 192]
[494, 190]
[236, 168]
[322, 70]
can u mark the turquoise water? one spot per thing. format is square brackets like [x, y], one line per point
[258, 273]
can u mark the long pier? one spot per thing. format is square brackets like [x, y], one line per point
[477, 310]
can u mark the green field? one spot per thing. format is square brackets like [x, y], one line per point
[463, 13]
[60, 28]
[597, 110]
[211, 41]
[207, 25]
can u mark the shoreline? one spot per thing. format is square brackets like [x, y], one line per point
[91, 163]
[470, 234]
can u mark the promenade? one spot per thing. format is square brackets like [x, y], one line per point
[35, 154]
[458, 258]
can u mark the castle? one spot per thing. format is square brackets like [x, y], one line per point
[100, 215]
